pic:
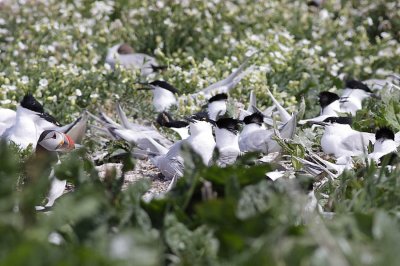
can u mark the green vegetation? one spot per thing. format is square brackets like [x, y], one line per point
[232, 216]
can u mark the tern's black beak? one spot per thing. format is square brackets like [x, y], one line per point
[318, 123]
[212, 122]
[145, 86]
[189, 119]
[376, 96]
[145, 89]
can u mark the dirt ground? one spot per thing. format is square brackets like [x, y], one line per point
[143, 169]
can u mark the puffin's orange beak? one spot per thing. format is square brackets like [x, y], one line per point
[67, 144]
[70, 143]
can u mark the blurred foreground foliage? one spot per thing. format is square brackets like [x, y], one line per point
[231, 216]
[56, 50]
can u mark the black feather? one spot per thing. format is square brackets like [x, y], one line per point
[228, 123]
[158, 68]
[177, 124]
[218, 97]
[29, 102]
[255, 118]
[340, 120]
[164, 85]
[355, 84]
[49, 118]
[326, 98]
[384, 133]
[43, 135]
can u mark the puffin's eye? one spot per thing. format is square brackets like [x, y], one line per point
[54, 136]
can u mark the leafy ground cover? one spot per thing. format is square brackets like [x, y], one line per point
[234, 216]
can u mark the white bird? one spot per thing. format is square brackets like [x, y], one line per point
[135, 134]
[28, 123]
[164, 95]
[7, 119]
[339, 139]
[227, 140]
[31, 120]
[252, 108]
[181, 127]
[51, 141]
[391, 81]
[330, 107]
[353, 96]
[201, 140]
[217, 106]
[125, 56]
[384, 144]
[254, 138]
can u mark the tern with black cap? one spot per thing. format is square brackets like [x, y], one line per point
[339, 139]
[353, 96]
[227, 140]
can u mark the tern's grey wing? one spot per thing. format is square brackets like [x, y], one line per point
[255, 141]
[227, 83]
[169, 167]
[252, 102]
[130, 125]
[77, 129]
[140, 139]
[171, 164]
[227, 156]
[358, 142]
[285, 116]
[286, 132]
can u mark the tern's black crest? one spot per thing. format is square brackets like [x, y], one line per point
[164, 85]
[355, 84]
[384, 133]
[228, 123]
[125, 49]
[255, 118]
[326, 98]
[340, 120]
[218, 97]
[29, 102]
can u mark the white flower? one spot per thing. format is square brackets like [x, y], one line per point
[331, 54]
[43, 83]
[9, 87]
[101, 8]
[370, 21]
[6, 101]
[94, 95]
[358, 60]
[24, 80]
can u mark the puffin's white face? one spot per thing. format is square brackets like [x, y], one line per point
[55, 141]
